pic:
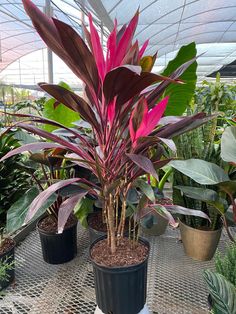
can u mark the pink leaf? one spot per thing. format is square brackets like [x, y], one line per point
[137, 119]
[31, 147]
[152, 118]
[144, 163]
[143, 48]
[43, 196]
[126, 40]
[97, 49]
[111, 110]
[66, 209]
[186, 211]
[111, 48]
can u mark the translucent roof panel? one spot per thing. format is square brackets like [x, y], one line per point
[168, 23]
[17, 35]
[171, 24]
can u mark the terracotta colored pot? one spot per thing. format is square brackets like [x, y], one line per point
[199, 244]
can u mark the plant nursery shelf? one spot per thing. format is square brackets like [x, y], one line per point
[175, 283]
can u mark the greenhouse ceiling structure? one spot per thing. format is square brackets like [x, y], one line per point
[168, 24]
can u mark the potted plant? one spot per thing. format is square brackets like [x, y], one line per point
[57, 247]
[222, 282]
[122, 109]
[7, 260]
[221, 198]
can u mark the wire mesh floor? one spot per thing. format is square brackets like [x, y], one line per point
[175, 283]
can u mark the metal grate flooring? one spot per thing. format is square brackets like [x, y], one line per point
[175, 282]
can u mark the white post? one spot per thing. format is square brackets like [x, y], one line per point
[48, 12]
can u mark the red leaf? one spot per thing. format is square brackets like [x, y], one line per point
[31, 147]
[144, 163]
[45, 27]
[147, 121]
[54, 138]
[43, 196]
[153, 117]
[125, 82]
[143, 48]
[72, 101]
[97, 49]
[111, 48]
[66, 209]
[81, 61]
[126, 40]
[111, 110]
[137, 118]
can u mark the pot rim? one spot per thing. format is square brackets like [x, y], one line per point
[199, 230]
[53, 233]
[119, 268]
[11, 249]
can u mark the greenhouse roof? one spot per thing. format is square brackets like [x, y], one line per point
[168, 24]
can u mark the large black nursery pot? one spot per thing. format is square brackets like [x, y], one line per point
[58, 248]
[8, 257]
[120, 290]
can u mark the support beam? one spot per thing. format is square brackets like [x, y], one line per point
[101, 12]
[48, 12]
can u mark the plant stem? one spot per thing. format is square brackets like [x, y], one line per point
[227, 229]
[164, 179]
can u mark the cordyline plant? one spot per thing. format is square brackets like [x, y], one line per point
[121, 108]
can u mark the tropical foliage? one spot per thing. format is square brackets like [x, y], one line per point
[123, 112]
[222, 198]
[222, 283]
[14, 181]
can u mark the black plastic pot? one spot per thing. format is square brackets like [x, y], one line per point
[120, 290]
[93, 233]
[59, 248]
[9, 257]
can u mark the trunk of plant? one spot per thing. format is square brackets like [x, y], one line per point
[111, 226]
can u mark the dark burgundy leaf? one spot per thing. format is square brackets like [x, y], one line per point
[72, 101]
[125, 82]
[66, 209]
[82, 60]
[144, 163]
[183, 126]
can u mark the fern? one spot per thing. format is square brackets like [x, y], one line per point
[226, 265]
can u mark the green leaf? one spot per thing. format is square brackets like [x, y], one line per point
[201, 171]
[61, 113]
[82, 209]
[24, 137]
[181, 94]
[228, 186]
[222, 291]
[198, 193]
[228, 144]
[146, 189]
[205, 195]
[18, 211]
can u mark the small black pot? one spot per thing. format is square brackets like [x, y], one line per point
[59, 248]
[10, 274]
[120, 290]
